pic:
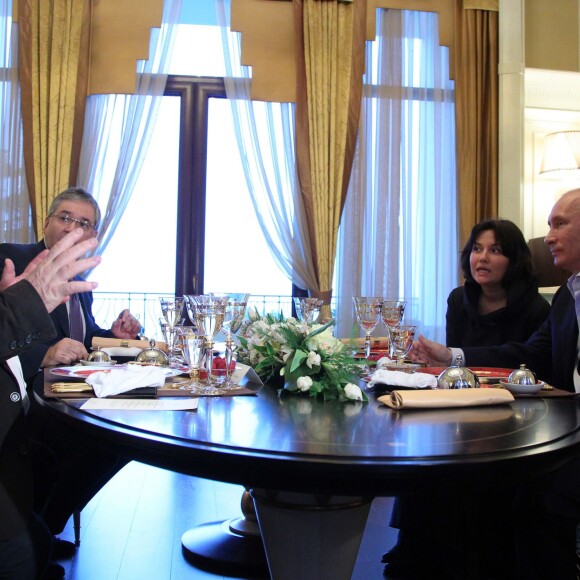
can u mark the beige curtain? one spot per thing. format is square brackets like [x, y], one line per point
[330, 41]
[476, 109]
[54, 58]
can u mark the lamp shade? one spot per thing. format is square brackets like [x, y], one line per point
[561, 153]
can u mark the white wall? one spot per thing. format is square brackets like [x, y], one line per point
[552, 103]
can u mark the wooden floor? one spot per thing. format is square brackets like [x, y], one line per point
[132, 529]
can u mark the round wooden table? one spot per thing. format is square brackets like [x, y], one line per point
[314, 467]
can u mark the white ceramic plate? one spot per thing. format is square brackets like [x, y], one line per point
[98, 363]
[516, 389]
[80, 372]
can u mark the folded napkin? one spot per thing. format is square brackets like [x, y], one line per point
[99, 341]
[126, 379]
[401, 379]
[127, 351]
[446, 398]
[377, 342]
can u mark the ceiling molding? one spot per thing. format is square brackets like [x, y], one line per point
[549, 89]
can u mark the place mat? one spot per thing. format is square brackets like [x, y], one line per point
[485, 374]
[170, 389]
[247, 379]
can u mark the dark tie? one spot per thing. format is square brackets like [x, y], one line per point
[75, 317]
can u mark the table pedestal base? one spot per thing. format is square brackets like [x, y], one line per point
[215, 547]
[231, 548]
[310, 536]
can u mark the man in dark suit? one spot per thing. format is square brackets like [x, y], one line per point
[83, 467]
[548, 509]
[72, 209]
[25, 302]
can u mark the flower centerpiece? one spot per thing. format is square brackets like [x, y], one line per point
[308, 357]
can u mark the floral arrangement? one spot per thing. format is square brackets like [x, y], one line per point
[308, 357]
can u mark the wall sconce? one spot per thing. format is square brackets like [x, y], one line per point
[561, 157]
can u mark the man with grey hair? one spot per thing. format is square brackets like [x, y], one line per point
[72, 209]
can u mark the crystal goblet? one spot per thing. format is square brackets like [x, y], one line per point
[368, 312]
[208, 311]
[401, 339]
[308, 309]
[232, 322]
[193, 350]
[392, 312]
[172, 310]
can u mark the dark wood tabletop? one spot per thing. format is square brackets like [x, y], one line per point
[296, 443]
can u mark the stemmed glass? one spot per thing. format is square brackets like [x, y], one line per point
[392, 312]
[368, 312]
[401, 339]
[208, 312]
[172, 309]
[234, 316]
[193, 352]
[308, 309]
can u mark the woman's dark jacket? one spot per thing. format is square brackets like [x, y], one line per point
[523, 314]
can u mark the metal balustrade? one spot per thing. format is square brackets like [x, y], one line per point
[145, 306]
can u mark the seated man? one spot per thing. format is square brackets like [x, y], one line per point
[25, 302]
[72, 209]
[83, 468]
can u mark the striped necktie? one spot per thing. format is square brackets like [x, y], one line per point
[75, 317]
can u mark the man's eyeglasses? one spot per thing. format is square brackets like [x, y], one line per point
[67, 219]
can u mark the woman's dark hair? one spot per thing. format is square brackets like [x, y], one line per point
[513, 246]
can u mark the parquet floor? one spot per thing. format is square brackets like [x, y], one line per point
[132, 529]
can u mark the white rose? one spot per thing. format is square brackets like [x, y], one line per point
[253, 314]
[304, 384]
[313, 359]
[352, 392]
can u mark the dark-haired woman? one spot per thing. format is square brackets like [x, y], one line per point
[498, 303]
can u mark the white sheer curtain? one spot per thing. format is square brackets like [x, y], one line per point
[398, 235]
[265, 134]
[14, 199]
[118, 129]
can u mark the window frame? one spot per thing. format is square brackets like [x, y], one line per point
[194, 93]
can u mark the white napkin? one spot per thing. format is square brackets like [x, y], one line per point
[114, 351]
[401, 379]
[118, 381]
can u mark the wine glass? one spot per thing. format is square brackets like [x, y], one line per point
[172, 310]
[193, 352]
[233, 318]
[392, 312]
[308, 309]
[208, 311]
[401, 339]
[368, 312]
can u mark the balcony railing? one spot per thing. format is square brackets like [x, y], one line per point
[145, 306]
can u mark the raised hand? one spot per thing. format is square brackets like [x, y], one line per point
[52, 277]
